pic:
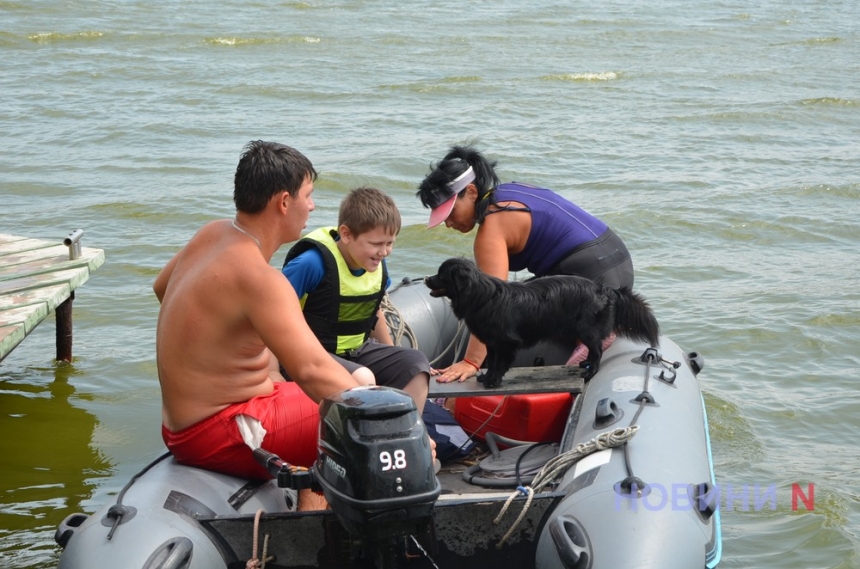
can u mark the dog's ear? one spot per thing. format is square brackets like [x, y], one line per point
[448, 267]
[462, 274]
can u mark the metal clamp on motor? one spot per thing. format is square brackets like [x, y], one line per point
[287, 475]
[73, 242]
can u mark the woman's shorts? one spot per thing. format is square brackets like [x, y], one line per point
[605, 260]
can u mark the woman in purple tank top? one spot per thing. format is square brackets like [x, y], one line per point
[519, 227]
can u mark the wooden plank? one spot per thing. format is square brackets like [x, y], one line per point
[10, 336]
[47, 260]
[6, 238]
[28, 316]
[52, 295]
[10, 247]
[52, 251]
[36, 278]
[518, 380]
[73, 277]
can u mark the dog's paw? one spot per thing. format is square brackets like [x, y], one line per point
[588, 370]
[490, 382]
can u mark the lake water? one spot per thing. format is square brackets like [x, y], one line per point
[720, 139]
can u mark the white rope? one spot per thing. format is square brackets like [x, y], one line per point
[399, 328]
[255, 562]
[560, 464]
[529, 492]
[396, 324]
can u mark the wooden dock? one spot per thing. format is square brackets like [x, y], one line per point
[38, 277]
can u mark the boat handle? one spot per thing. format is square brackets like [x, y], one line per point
[571, 542]
[66, 529]
[175, 553]
[606, 413]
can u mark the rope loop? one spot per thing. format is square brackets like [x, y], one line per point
[254, 562]
[560, 464]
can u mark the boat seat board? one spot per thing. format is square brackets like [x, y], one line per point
[518, 380]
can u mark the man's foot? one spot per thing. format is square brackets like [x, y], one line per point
[310, 501]
[578, 356]
[581, 352]
[608, 341]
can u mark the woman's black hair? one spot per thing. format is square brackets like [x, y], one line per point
[458, 159]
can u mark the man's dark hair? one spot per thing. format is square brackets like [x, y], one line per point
[266, 168]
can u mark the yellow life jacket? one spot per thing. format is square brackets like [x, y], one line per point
[342, 310]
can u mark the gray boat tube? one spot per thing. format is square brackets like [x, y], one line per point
[592, 518]
[653, 502]
[159, 527]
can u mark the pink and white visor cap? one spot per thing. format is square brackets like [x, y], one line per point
[440, 212]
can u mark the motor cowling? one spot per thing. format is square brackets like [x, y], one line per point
[375, 464]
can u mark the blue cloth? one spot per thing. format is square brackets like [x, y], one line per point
[441, 425]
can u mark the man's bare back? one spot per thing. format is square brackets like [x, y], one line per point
[224, 308]
[227, 318]
[209, 353]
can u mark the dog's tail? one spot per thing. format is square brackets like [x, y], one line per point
[634, 318]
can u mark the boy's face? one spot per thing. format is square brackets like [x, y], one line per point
[367, 250]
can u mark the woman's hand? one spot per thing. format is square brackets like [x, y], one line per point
[460, 371]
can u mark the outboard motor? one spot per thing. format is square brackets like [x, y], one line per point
[375, 468]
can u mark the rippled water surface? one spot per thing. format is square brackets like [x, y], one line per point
[719, 139]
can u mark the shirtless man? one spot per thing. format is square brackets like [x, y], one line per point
[227, 317]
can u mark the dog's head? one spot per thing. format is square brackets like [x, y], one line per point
[454, 276]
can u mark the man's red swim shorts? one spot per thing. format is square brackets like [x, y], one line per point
[291, 420]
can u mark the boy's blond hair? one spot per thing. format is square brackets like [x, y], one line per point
[365, 209]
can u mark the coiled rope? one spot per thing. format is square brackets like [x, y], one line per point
[400, 328]
[556, 466]
[396, 324]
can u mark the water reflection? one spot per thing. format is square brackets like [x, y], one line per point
[49, 466]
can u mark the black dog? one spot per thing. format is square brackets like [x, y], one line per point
[508, 316]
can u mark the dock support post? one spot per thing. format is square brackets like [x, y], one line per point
[64, 329]
[64, 310]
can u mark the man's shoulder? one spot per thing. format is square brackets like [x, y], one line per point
[211, 229]
[215, 255]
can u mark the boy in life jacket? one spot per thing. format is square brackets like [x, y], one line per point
[340, 277]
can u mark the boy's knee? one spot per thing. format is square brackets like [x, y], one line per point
[420, 383]
[364, 376]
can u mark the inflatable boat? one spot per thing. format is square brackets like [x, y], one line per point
[615, 472]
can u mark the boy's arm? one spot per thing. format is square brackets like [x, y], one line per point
[380, 332]
[305, 272]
